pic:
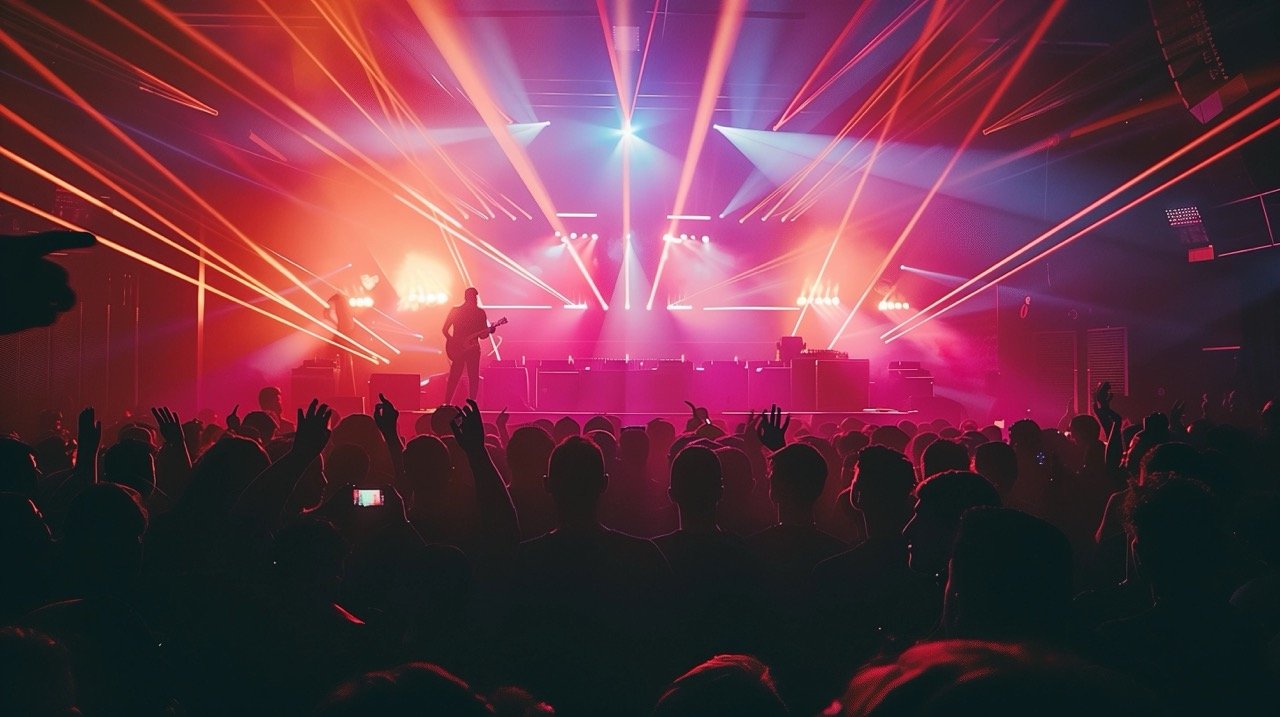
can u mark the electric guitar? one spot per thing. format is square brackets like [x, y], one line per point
[460, 347]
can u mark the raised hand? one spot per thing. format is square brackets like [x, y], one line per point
[502, 420]
[385, 415]
[88, 431]
[169, 424]
[699, 414]
[313, 432]
[772, 430]
[233, 421]
[468, 426]
[1102, 397]
[33, 289]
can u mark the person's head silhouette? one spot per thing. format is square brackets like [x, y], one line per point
[940, 501]
[471, 297]
[102, 537]
[427, 467]
[722, 686]
[414, 688]
[1085, 429]
[883, 480]
[131, 463]
[271, 400]
[576, 480]
[35, 675]
[997, 462]
[1176, 536]
[944, 455]
[696, 483]
[1009, 578]
[564, 428]
[797, 474]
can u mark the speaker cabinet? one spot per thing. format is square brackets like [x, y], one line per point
[841, 385]
[402, 389]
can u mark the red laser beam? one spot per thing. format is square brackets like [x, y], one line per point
[900, 331]
[1174, 156]
[1051, 14]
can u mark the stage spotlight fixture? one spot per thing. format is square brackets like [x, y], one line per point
[573, 235]
[360, 302]
[706, 239]
[594, 236]
[557, 234]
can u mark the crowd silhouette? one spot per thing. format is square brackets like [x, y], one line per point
[311, 564]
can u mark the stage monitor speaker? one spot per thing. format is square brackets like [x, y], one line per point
[721, 386]
[803, 384]
[404, 390]
[505, 387]
[308, 382]
[769, 385]
[841, 385]
[603, 390]
[557, 390]
[347, 405]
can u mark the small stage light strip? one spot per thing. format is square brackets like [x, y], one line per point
[177, 274]
[751, 308]
[517, 307]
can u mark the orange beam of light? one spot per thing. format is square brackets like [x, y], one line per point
[786, 188]
[120, 190]
[375, 335]
[176, 274]
[435, 215]
[489, 250]
[644, 57]
[573, 253]
[1174, 156]
[306, 50]
[884, 34]
[368, 60]
[95, 201]
[904, 87]
[1167, 100]
[162, 89]
[1050, 14]
[753, 271]
[726, 37]
[440, 26]
[623, 106]
[444, 32]
[810, 196]
[146, 157]
[898, 331]
[272, 90]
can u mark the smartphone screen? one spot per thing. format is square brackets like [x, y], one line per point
[366, 498]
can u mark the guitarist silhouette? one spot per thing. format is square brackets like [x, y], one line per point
[466, 324]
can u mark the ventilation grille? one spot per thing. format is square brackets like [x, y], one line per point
[1108, 351]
